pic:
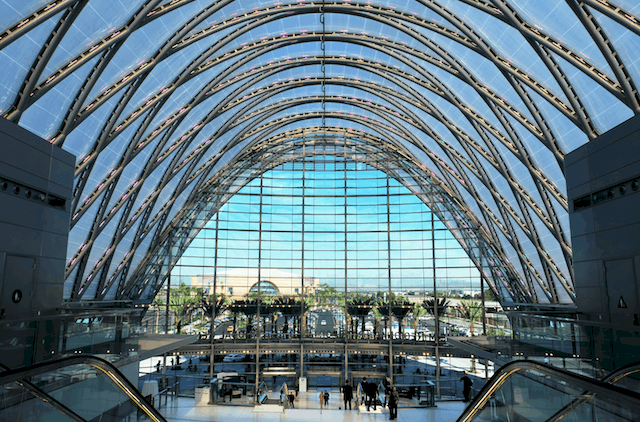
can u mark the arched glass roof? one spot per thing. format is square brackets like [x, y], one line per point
[161, 100]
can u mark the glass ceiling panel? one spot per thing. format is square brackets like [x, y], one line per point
[519, 172]
[195, 117]
[502, 185]
[68, 283]
[453, 113]
[605, 110]
[626, 43]
[83, 138]
[628, 5]
[470, 202]
[551, 245]
[568, 135]
[142, 249]
[123, 247]
[560, 22]
[109, 158]
[16, 59]
[99, 247]
[487, 73]
[45, 116]
[97, 20]
[541, 156]
[141, 45]
[133, 171]
[468, 95]
[162, 75]
[167, 191]
[178, 204]
[80, 231]
[563, 217]
[528, 248]
[182, 95]
[507, 41]
[484, 194]
[151, 182]
[11, 11]
[513, 256]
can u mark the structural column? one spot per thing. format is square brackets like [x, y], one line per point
[435, 294]
[389, 300]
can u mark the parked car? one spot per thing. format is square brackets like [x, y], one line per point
[233, 358]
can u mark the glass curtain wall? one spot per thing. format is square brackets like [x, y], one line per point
[324, 238]
[321, 244]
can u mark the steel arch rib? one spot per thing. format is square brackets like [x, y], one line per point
[495, 132]
[235, 166]
[524, 226]
[253, 121]
[508, 235]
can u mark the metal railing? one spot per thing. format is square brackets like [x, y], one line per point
[81, 372]
[545, 393]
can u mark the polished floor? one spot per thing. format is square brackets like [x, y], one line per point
[307, 410]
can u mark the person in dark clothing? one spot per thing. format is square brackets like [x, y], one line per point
[371, 391]
[326, 398]
[466, 387]
[394, 398]
[347, 394]
[364, 386]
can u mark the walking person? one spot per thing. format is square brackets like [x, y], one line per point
[347, 395]
[394, 398]
[364, 386]
[371, 392]
[466, 387]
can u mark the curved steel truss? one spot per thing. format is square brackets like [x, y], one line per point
[166, 104]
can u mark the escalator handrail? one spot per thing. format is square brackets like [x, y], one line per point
[37, 392]
[577, 380]
[102, 365]
[610, 378]
[622, 372]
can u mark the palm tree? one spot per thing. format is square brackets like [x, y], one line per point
[329, 297]
[181, 307]
[471, 310]
[247, 307]
[290, 307]
[220, 306]
[417, 312]
[400, 309]
[157, 303]
[383, 310]
[359, 306]
[442, 305]
[378, 317]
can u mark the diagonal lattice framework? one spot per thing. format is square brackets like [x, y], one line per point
[254, 162]
[431, 78]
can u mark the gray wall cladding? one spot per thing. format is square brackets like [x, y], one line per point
[36, 182]
[603, 181]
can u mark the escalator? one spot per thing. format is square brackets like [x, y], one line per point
[527, 391]
[78, 388]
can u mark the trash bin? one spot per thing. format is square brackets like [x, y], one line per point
[202, 396]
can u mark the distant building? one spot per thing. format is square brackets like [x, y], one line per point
[238, 282]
